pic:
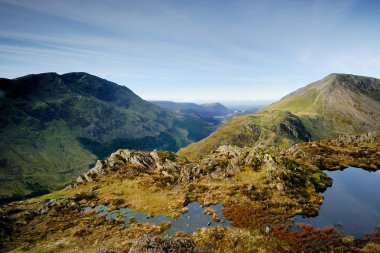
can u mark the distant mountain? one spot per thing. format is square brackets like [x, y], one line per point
[337, 104]
[208, 110]
[53, 126]
[216, 109]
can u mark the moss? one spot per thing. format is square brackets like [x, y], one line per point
[167, 155]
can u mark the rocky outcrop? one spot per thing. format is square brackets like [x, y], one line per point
[133, 160]
[155, 244]
[350, 139]
[230, 150]
[225, 162]
[166, 165]
[361, 151]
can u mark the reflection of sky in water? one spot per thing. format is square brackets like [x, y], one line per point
[188, 222]
[352, 204]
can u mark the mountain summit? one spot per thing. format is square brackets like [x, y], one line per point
[337, 104]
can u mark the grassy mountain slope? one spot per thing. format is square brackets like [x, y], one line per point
[275, 128]
[337, 104]
[54, 126]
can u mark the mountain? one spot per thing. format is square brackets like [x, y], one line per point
[54, 126]
[337, 104]
[216, 109]
[208, 110]
[274, 128]
[233, 199]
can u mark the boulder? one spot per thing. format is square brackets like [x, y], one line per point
[149, 244]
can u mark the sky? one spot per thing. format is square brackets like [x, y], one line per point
[193, 50]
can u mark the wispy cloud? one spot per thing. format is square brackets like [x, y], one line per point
[199, 49]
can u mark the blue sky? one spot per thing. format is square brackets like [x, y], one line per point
[193, 50]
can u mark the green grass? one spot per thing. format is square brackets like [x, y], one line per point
[249, 130]
[303, 103]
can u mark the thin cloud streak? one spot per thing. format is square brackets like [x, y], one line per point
[230, 50]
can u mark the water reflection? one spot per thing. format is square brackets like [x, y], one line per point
[188, 222]
[352, 204]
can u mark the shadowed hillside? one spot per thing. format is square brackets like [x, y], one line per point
[54, 126]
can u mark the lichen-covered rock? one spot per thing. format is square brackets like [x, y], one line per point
[230, 150]
[347, 150]
[128, 159]
[155, 244]
[367, 137]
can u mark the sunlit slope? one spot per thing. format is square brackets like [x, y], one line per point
[337, 104]
[275, 128]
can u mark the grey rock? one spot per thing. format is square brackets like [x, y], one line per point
[230, 150]
[154, 244]
[106, 250]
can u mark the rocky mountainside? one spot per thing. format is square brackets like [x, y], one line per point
[208, 110]
[53, 126]
[337, 104]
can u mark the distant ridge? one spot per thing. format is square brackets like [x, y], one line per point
[207, 110]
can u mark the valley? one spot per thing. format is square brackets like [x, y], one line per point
[240, 189]
[210, 126]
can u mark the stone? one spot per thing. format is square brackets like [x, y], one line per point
[105, 250]
[215, 217]
[131, 220]
[149, 243]
[230, 150]
[280, 187]
[75, 205]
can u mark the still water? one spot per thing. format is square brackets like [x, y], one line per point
[188, 222]
[352, 204]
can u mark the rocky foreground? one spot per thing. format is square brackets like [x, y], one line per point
[261, 190]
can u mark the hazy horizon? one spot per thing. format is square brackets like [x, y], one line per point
[193, 50]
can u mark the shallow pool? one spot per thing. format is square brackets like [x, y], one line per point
[188, 222]
[351, 205]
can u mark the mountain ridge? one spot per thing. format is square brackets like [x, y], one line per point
[337, 104]
[340, 103]
[207, 110]
[55, 126]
